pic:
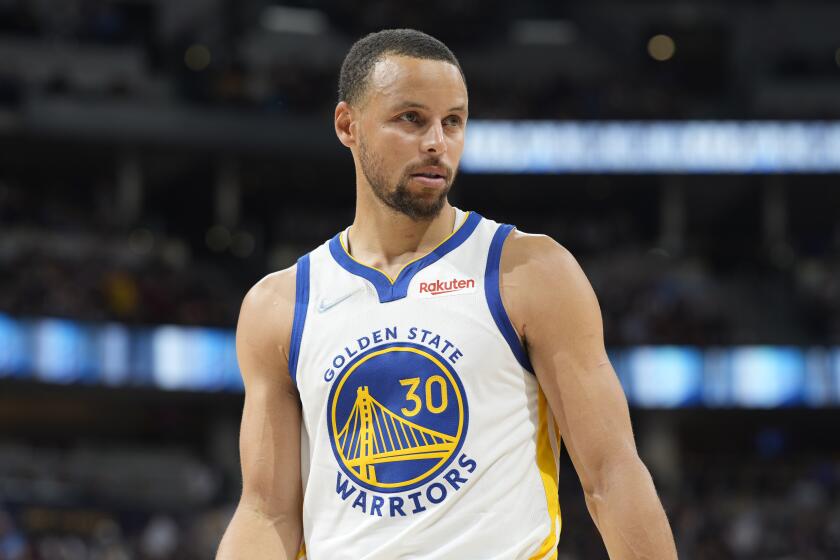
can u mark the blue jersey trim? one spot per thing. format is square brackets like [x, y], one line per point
[301, 305]
[494, 297]
[386, 289]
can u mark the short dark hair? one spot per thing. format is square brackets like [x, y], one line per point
[367, 51]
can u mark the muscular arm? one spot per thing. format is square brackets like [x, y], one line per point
[267, 523]
[554, 308]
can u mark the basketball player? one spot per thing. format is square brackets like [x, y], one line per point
[409, 381]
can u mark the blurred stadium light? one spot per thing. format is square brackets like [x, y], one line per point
[178, 358]
[652, 147]
[288, 19]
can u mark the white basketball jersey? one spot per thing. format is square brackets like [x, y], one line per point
[425, 434]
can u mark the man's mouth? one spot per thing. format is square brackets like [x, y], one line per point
[430, 179]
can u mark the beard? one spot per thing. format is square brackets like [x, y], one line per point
[400, 197]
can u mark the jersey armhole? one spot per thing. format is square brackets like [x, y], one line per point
[492, 292]
[301, 305]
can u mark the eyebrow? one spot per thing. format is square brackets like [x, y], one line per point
[407, 104]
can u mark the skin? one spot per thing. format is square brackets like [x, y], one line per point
[414, 113]
[556, 314]
[267, 522]
[405, 137]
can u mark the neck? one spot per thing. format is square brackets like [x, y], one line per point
[382, 237]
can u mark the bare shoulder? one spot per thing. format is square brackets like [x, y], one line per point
[531, 253]
[263, 332]
[539, 278]
[537, 265]
[272, 291]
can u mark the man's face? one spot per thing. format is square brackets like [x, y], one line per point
[411, 133]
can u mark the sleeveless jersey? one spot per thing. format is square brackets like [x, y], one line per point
[424, 432]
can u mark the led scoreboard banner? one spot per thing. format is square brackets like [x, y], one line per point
[166, 357]
[527, 147]
[169, 357]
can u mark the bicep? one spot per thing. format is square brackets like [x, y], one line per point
[269, 447]
[561, 323]
[269, 439]
[589, 405]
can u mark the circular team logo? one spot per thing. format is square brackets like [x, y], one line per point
[397, 416]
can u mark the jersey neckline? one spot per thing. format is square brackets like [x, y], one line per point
[389, 289]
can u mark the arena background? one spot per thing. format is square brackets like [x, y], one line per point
[157, 158]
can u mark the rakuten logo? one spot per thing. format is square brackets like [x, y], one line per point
[439, 287]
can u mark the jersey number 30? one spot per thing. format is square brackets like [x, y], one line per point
[413, 383]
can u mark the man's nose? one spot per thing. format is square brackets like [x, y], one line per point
[434, 141]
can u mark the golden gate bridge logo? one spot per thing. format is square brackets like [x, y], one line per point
[364, 445]
[374, 438]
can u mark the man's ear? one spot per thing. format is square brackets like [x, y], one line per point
[344, 120]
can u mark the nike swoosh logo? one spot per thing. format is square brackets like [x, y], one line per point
[324, 305]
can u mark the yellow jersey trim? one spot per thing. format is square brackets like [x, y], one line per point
[382, 272]
[547, 463]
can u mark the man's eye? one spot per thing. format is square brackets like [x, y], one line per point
[410, 117]
[453, 120]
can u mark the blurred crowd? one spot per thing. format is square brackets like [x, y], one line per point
[102, 290]
[147, 504]
[740, 509]
[171, 57]
[106, 503]
[61, 257]
[238, 58]
[64, 257]
[755, 511]
[85, 534]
